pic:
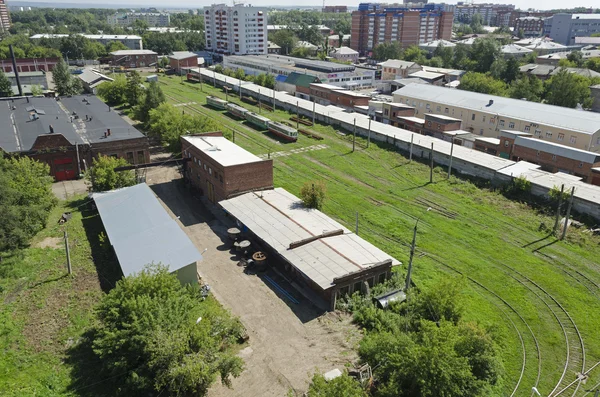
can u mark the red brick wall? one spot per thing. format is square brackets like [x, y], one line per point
[184, 63]
[29, 64]
[126, 148]
[246, 177]
[551, 164]
[136, 60]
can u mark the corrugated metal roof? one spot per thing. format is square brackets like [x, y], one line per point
[278, 218]
[301, 79]
[142, 232]
[571, 119]
[557, 149]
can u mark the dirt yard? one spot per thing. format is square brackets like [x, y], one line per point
[288, 342]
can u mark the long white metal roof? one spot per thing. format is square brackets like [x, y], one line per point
[222, 150]
[278, 218]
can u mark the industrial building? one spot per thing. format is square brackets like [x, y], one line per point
[341, 75]
[29, 64]
[335, 9]
[4, 17]
[179, 60]
[132, 42]
[376, 23]
[133, 58]
[327, 94]
[154, 19]
[564, 28]
[90, 79]
[312, 249]
[487, 115]
[344, 54]
[67, 133]
[237, 29]
[220, 169]
[141, 232]
[397, 69]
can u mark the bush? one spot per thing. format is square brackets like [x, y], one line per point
[102, 175]
[342, 386]
[313, 194]
[555, 195]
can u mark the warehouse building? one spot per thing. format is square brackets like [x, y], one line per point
[68, 133]
[311, 248]
[220, 169]
[133, 58]
[487, 115]
[130, 41]
[141, 232]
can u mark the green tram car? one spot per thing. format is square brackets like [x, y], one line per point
[236, 110]
[215, 102]
[257, 120]
[283, 131]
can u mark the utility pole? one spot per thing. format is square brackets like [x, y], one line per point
[240, 88]
[412, 137]
[450, 166]
[226, 90]
[259, 107]
[354, 137]
[564, 233]
[68, 253]
[313, 119]
[412, 253]
[201, 88]
[297, 114]
[234, 135]
[214, 79]
[431, 164]
[556, 220]
[369, 134]
[273, 100]
[357, 223]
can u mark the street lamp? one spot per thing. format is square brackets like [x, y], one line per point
[412, 251]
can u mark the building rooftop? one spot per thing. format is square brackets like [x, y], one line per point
[421, 74]
[278, 218]
[587, 40]
[272, 45]
[493, 141]
[571, 119]
[26, 74]
[397, 64]
[545, 45]
[133, 52]
[344, 51]
[441, 117]
[514, 49]
[301, 79]
[557, 149]
[142, 232]
[435, 43]
[93, 78]
[412, 119]
[89, 36]
[222, 150]
[179, 55]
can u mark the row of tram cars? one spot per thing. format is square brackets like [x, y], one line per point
[281, 130]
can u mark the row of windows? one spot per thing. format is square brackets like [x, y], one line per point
[207, 168]
[357, 287]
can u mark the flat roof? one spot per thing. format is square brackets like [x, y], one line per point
[493, 141]
[441, 117]
[142, 232]
[412, 118]
[133, 52]
[426, 75]
[278, 218]
[179, 55]
[557, 149]
[222, 150]
[567, 118]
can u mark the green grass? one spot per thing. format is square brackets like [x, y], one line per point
[488, 232]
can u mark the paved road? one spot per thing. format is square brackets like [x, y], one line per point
[287, 341]
[67, 189]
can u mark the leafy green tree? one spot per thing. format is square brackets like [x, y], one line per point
[568, 90]
[565, 63]
[140, 26]
[313, 194]
[576, 57]
[239, 74]
[64, 81]
[527, 87]
[498, 68]
[484, 52]
[414, 54]
[26, 199]
[445, 54]
[593, 64]
[342, 386]
[5, 85]
[269, 81]
[93, 50]
[436, 62]
[153, 98]
[37, 90]
[385, 51]
[301, 52]
[114, 92]
[102, 175]
[115, 46]
[219, 69]
[286, 39]
[511, 71]
[163, 62]
[342, 26]
[156, 336]
[461, 59]
[169, 123]
[134, 91]
[479, 82]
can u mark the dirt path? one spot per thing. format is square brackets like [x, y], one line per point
[287, 341]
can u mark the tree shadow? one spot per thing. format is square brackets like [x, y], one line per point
[545, 245]
[537, 241]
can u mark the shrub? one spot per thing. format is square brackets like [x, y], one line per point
[313, 194]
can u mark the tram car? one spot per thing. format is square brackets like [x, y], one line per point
[286, 132]
[215, 102]
[236, 110]
[257, 120]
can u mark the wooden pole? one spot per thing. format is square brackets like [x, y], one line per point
[314, 105]
[431, 164]
[69, 270]
[233, 135]
[273, 99]
[369, 134]
[259, 107]
[564, 233]
[297, 114]
[357, 223]
[450, 166]
[556, 219]
[214, 79]
[354, 136]
[412, 137]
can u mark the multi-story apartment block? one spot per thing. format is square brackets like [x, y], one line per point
[509, 18]
[563, 28]
[531, 26]
[152, 18]
[336, 9]
[375, 24]
[487, 115]
[489, 12]
[236, 30]
[4, 17]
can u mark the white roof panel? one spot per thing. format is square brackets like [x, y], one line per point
[222, 150]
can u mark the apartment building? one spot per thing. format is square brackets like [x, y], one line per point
[486, 115]
[130, 41]
[489, 12]
[564, 28]
[336, 9]
[509, 18]
[530, 26]
[236, 30]
[154, 19]
[375, 24]
[4, 17]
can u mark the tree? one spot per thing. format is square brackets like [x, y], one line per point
[301, 52]
[445, 54]
[102, 175]
[414, 54]
[114, 92]
[134, 90]
[385, 51]
[64, 82]
[140, 26]
[37, 90]
[5, 85]
[484, 52]
[313, 194]
[153, 98]
[169, 123]
[269, 81]
[479, 82]
[342, 386]
[115, 46]
[511, 71]
[26, 199]
[93, 50]
[286, 39]
[155, 335]
[568, 90]
[342, 26]
[576, 57]
[593, 64]
[239, 74]
[527, 87]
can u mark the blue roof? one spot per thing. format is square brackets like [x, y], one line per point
[281, 78]
[142, 232]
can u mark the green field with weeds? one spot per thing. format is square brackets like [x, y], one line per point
[533, 292]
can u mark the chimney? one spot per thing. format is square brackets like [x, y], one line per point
[108, 131]
[14, 62]
[51, 129]
[491, 102]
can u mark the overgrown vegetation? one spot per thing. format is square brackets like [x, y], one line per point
[313, 194]
[66, 84]
[342, 386]
[103, 177]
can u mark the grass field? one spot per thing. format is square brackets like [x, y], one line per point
[537, 294]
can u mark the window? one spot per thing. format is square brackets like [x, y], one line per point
[573, 139]
[209, 171]
[511, 125]
[429, 124]
[344, 291]
[445, 110]
[204, 167]
[221, 178]
[439, 109]
[553, 157]
[501, 123]
[561, 137]
[506, 143]
[484, 118]
[439, 126]
[537, 153]
[129, 157]
[527, 128]
[381, 278]
[598, 141]
[141, 158]
[492, 120]
[548, 134]
[538, 132]
[473, 117]
[357, 287]
[184, 153]
[114, 155]
[216, 175]
[371, 282]
[580, 165]
[481, 131]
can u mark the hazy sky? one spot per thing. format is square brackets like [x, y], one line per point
[523, 4]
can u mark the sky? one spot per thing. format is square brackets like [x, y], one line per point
[194, 4]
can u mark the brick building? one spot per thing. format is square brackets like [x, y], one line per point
[133, 58]
[29, 64]
[397, 69]
[375, 23]
[220, 169]
[68, 133]
[327, 94]
[435, 124]
[183, 59]
[336, 9]
[531, 26]
[4, 17]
